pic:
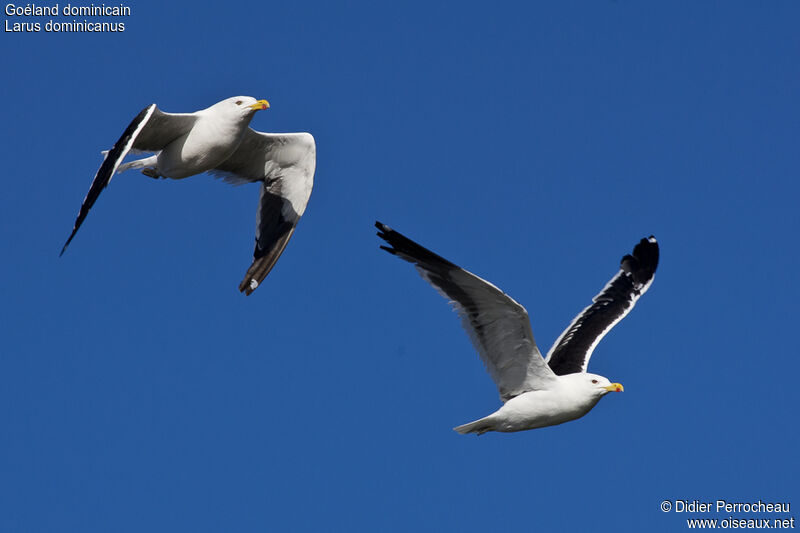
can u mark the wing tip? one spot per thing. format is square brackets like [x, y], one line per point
[255, 275]
[248, 285]
[407, 249]
[647, 254]
[384, 229]
[389, 249]
[69, 240]
[386, 233]
[263, 263]
[641, 264]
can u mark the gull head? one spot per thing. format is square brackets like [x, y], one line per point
[241, 106]
[587, 387]
[600, 385]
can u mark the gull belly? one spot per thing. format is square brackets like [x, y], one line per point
[206, 146]
[537, 409]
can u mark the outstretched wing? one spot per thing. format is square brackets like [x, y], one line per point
[285, 162]
[572, 350]
[150, 131]
[497, 325]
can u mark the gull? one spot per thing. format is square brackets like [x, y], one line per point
[536, 391]
[218, 140]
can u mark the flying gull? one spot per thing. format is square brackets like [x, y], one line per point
[219, 140]
[536, 391]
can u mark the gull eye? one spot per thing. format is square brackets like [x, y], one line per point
[594, 381]
[238, 102]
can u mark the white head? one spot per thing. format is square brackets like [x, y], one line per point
[240, 106]
[600, 384]
[591, 384]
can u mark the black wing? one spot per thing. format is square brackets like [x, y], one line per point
[150, 131]
[285, 162]
[275, 224]
[572, 350]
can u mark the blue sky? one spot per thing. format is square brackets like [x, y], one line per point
[531, 143]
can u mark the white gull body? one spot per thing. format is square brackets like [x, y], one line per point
[564, 399]
[536, 391]
[218, 140]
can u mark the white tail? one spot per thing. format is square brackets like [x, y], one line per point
[479, 426]
[139, 163]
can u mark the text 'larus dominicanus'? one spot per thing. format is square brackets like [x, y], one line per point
[536, 391]
[219, 140]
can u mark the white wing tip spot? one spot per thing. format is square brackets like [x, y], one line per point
[253, 284]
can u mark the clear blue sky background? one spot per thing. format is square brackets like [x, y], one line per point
[532, 143]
